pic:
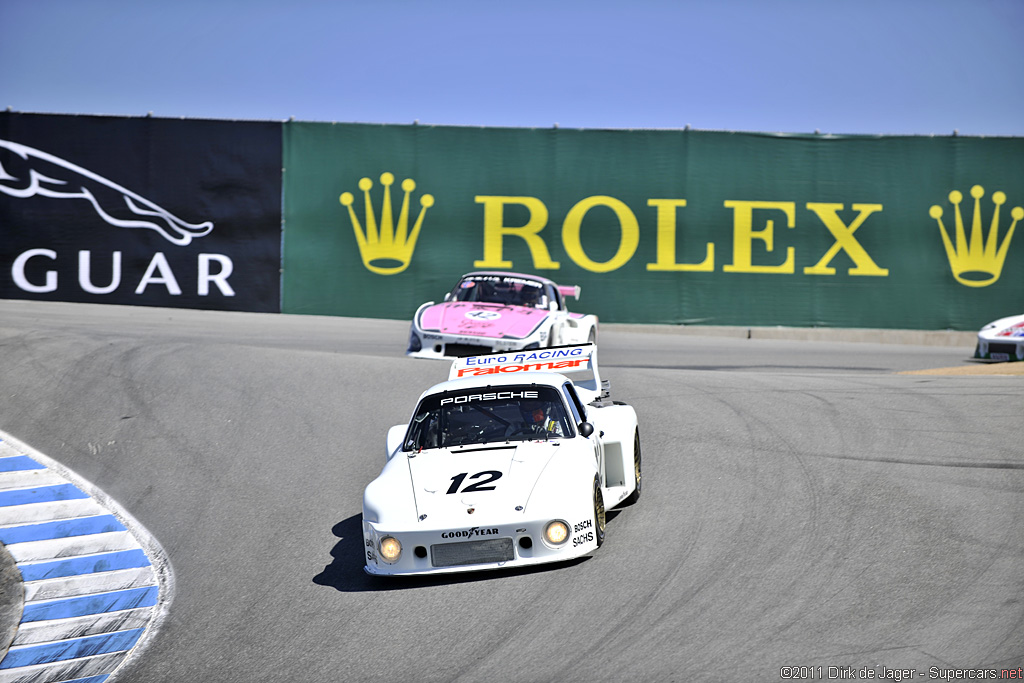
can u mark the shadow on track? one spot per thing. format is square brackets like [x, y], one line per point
[346, 573]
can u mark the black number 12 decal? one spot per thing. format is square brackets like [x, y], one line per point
[481, 485]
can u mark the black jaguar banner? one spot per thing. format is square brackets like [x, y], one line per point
[141, 211]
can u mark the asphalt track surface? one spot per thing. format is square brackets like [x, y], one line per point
[804, 503]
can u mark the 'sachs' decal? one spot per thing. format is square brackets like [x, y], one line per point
[581, 538]
[491, 475]
[45, 175]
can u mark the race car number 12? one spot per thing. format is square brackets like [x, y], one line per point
[481, 485]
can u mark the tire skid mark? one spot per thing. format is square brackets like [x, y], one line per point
[96, 584]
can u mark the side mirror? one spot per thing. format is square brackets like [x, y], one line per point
[394, 440]
[552, 305]
[447, 296]
[586, 429]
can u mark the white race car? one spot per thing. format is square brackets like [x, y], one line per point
[1002, 340]
[506, 464]
[494, 311]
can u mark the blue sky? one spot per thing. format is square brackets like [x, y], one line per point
[793, 66]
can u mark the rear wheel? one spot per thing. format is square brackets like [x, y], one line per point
[599, 513]
[637, 470]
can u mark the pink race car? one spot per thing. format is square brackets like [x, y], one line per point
[492, 312]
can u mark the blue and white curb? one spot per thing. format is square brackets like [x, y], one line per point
[97, 584]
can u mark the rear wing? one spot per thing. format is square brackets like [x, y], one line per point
[559, 359]
[569, 290]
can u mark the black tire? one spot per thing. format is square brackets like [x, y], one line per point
[600, 518]
[638, 470]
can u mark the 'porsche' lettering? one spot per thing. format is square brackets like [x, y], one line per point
[490, 396]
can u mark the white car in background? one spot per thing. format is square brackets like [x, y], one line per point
[494, 311]
[1002, 340]
[506, 464]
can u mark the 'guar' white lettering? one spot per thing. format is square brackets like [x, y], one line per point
[212, 269]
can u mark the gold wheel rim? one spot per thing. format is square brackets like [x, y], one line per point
[636, 463]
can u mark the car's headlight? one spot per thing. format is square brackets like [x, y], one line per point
[390, 549]
[414, 341]
[556, 532]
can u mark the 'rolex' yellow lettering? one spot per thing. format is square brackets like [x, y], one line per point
[666, 240]
[629, 236]
[744, 236]
[495, 231]
[843, 234]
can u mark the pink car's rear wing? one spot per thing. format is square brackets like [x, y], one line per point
[569, 290]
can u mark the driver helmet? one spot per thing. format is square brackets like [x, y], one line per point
[537, 413]
[529, 296]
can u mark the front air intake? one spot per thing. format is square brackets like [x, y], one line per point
[472, 552]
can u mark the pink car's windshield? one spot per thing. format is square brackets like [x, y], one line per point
[500, 289]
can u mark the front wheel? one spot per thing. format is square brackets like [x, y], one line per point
[637, 470]
[600, 519]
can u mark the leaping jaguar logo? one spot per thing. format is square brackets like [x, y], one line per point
[46, 175]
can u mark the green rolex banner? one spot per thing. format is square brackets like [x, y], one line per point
[691, 227]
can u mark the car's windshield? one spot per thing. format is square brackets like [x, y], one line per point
[473, 416]
[500, 289]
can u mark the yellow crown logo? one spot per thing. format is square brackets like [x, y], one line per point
[976, 261]
[386, 248]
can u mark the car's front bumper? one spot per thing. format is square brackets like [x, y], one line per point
[425, 344]
[1000, 349]
[490, 546]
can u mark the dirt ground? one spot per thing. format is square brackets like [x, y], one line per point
[973, 369]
